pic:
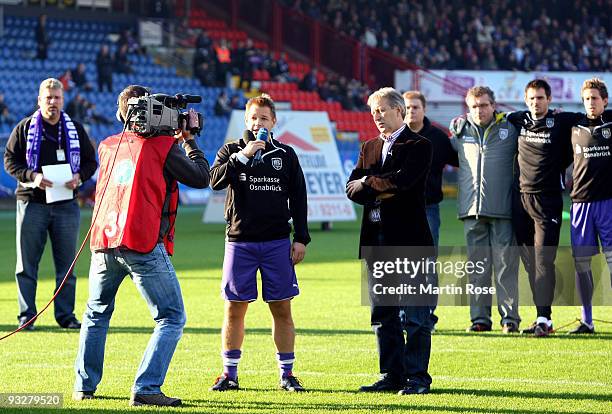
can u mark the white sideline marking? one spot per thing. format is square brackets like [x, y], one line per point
[446, 378]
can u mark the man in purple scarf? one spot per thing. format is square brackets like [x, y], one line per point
[48, 137]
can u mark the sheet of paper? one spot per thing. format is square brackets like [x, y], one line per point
[58, 174]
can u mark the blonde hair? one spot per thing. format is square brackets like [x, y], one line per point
[595, 83]
[478, 91]
[50, 83]
[263, 100]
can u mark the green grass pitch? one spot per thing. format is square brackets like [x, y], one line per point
[336, 352]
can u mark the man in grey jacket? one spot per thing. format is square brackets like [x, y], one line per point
[486, 144]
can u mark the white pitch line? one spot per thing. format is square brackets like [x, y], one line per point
[444, 378]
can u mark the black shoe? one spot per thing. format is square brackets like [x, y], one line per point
[224, 383]
[159, 400]
[413, 389]
[82, 395]
[542, 329]
[583, 328]
[23, 320]
[538, 329]
[291, 384]
[479, 327]
[510, 327]
[382, 385]
[71, 324]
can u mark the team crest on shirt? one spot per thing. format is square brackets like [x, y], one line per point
[277, 163]
[606, 133]
[503, 133]
[550, 122]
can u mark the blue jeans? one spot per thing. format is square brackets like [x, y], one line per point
[433, 218]
[155, 279]
[34, 221]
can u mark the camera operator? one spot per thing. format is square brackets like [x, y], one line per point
[133, 233]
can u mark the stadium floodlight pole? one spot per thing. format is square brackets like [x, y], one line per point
[76, 257]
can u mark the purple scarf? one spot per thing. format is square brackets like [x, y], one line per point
[35, 137]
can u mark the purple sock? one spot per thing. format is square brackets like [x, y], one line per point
[231, 358]
[584, 284]
[285, 362]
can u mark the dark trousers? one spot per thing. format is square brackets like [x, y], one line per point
[403, 359]
[105, 82]
[34, 222]
[537, 225]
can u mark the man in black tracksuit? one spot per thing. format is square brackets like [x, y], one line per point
[544, 153]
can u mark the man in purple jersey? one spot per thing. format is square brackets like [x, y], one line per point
[591, 212]
[261, 199]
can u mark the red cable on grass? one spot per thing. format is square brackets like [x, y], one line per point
[93, 220]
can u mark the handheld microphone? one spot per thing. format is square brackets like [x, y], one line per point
[262, 135]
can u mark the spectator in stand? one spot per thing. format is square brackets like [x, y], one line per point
[203, 41]
[251, 61]
[5, 114]
[205, 74]
[223, 105]
[66, 80]
[280, 70]
[42, 39]
[76, 108]
[575, 35]
[127, 38]
[92, 116]
[309, 82]
[79, 77]
[104, 65]
[122, 63]
[236, 102]
[224, 61]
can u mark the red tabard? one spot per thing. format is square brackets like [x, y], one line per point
[130, 213]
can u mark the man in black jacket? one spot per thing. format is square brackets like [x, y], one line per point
[443, 155]
[104, 65]
[389, 181]
[261, 199]
[48, 137]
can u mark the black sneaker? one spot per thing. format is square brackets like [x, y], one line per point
[23, 320]
[160, 400]
[478, 327]
[291, 384]
[542, 329]
[538, 329]
[384, 384]
[224, 383]
[414, 389]
[510, 327]
[583, 328]
[71, 324]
